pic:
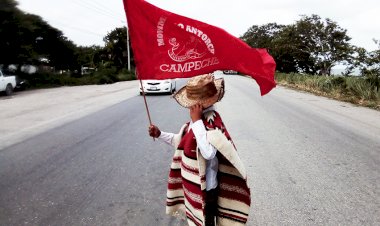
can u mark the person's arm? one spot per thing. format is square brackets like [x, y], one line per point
[155, 132]
[207, 150]
[167, 137]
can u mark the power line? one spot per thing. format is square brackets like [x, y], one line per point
[104, 7]
[97, 10]
[94, 7]
[77, 28]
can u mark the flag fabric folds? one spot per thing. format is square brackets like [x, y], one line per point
[166, 45]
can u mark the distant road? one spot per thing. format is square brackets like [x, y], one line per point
[310, 161]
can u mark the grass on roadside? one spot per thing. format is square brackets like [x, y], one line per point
[357, 90]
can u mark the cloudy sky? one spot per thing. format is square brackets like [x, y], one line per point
[86, 22]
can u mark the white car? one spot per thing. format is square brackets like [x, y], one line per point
[158, 86]
[7, 83]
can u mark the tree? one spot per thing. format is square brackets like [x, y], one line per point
[286, 53]
[324, 41]
[368, 63]
[14, 35]
[85, 55]
[373, 60]
[311, 45]
[116, 45]
[27, 38]
[274, 38]
[262, 36]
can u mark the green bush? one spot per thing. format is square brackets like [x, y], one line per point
[362, 88]
[125, 75]
[45, 79]
[101, 76]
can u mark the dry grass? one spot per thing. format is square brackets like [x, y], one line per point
[356, 90]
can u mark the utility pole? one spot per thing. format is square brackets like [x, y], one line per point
[129, 54]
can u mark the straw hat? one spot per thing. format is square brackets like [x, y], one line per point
[203, 89]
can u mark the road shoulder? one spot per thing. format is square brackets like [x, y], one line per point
[28, 113]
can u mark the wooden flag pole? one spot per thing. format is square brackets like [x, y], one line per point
[146, 105]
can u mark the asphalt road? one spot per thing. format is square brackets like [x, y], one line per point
[310, 161]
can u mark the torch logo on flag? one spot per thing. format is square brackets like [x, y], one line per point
[189, 54]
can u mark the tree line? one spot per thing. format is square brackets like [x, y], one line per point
[27, 39]
[311, 45]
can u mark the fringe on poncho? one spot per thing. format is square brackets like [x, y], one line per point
[187, 177]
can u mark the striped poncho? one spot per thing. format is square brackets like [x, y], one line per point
[187, 177]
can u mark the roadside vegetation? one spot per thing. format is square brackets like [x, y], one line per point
[305, 52]
[40, 54]
[358, 90]
[102, 76]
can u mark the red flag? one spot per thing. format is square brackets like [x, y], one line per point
[167, 45]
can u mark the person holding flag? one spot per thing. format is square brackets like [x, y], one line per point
[207, 180]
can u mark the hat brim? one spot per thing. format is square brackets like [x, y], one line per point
[181, 97]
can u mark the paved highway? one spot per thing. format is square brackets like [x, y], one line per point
[310, 161]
